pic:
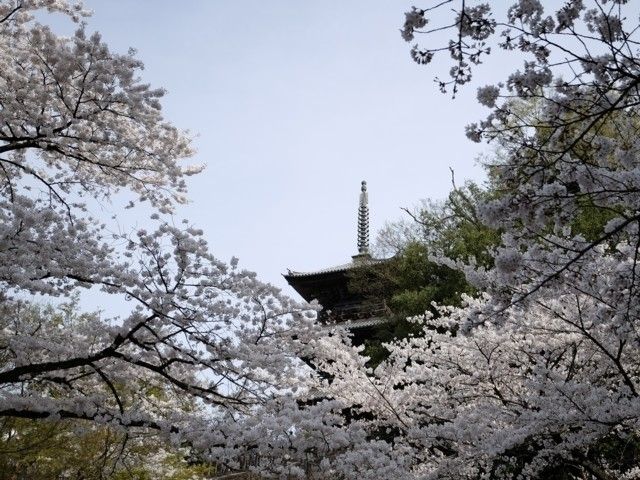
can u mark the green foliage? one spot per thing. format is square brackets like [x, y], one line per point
[36, 449]
[452, 227]
[591, 220]
[43, 450]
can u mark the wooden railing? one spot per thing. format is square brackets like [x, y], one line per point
[354, 311]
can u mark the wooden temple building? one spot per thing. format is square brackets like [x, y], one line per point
[330, 286]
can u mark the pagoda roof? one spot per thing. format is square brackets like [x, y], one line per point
[357, 262]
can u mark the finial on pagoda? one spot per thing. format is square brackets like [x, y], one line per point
[363, 222]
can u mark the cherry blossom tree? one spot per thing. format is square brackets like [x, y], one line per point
[539, 376]
[78, 125]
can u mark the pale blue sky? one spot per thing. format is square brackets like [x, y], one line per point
[294, 103]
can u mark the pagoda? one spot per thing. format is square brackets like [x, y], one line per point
[330, 286]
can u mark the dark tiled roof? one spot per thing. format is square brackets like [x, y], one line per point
[338, 268]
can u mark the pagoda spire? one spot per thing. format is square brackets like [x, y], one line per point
[363, 221]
